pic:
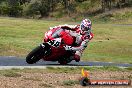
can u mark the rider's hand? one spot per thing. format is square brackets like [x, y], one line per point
[67, 47]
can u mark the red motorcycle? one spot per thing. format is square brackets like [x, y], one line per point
[52, 49]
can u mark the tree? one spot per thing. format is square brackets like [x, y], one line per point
[14, 8]
[3, 7]
[24, 1]
[36, 7]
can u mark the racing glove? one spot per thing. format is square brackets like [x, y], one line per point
[68, 47]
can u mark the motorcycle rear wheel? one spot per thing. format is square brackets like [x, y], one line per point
[64, 61]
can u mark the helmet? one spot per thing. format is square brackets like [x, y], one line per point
[86, 25]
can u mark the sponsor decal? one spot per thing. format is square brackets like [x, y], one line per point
[85, 80]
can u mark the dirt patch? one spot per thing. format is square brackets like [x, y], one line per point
[60, 80]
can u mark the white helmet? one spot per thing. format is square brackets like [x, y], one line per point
[86, 25]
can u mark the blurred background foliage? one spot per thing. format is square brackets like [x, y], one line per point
[64, 8]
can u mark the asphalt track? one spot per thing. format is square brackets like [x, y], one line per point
[20, 62]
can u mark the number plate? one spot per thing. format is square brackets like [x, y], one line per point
[55, 42]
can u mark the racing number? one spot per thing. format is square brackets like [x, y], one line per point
[54, 43]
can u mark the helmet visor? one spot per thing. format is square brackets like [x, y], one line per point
[83, 28]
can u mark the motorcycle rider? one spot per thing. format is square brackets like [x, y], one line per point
[81, 34]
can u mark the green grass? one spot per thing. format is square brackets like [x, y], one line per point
[19, 36]
[71, 70]
[10, 73]
[111, 43]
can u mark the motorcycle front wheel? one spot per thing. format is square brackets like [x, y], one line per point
[34, 56]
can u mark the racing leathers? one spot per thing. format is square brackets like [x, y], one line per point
[81, 38]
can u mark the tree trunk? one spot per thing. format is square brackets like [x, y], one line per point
[103, 5]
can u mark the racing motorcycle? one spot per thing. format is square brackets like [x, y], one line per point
[52, 49]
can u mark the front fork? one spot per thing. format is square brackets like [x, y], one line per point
[46, 49]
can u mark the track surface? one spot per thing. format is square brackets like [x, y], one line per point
[14, 61]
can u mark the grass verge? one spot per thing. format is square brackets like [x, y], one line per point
[64, 69]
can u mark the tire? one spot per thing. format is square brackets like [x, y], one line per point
[64, 61]
[34, 56]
